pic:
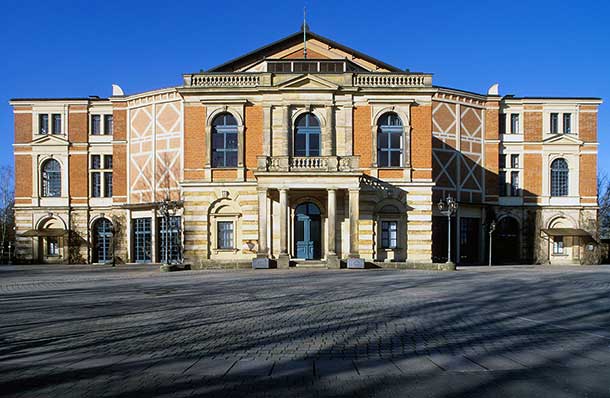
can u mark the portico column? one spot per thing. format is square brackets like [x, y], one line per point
[354, 260]
[283, 260]
[262, 222]
[331, 257]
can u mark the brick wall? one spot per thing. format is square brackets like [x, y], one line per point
[533, 123]
[421, 141]
[78, 169]
[78, 123]
[253, 134]
[23, 176]
[588, 176]
[532, 185]
[119, 172]
[363, 143]
[119, 121]
[194, 141]
[23, 125]
[587, 124]
[492, 150]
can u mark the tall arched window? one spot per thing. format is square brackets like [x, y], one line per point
[224, 141]
[389, 140]
[103, 241]
[559, 177]
[51, 178]
[307, 135]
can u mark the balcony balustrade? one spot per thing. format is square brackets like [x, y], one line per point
[309, 163]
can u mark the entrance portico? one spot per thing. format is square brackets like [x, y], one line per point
[303, 215]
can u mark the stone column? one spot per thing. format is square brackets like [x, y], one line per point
[328, 133]
[286, 140]
[354, 260]
[262, 258]
[284, 259]
[332, 260]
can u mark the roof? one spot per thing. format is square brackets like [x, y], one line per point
[92, 98]
[291, 40]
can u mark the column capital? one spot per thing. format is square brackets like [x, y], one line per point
[354, 190]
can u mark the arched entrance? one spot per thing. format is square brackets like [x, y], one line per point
[102, 241]
[307, 231]
[506, 248]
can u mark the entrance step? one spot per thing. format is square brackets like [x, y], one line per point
[310, 263]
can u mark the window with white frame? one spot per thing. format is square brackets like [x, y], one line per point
[56, 118]
[514, 123]
[567, 123]
[101, 124]
[51, 178]
[558, 245]
[509, 169]
[390, 133]
[389, 234]
[225, 235]
[559, 177]
[554, 123]
[101, 176]
[43, 123]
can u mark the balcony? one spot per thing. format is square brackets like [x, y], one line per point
[308, 164]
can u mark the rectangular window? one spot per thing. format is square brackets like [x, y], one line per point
[142, 240]
[502, 161]
[107, 185]
[96, 124]
[514, 183]
[225, 234]
[304, 67]
[389, 234]
[331, 67]
[502, 123]
[554, 123]
[108, 124]
[96, 185]
[96, 162]
[56, 123]
[279, 67]
[558, 245]
[52, 246]
[170, 239]
[43, 124]
[514, 161]
[502, 183]
[108, 162]
[567, 123]
[514, 123]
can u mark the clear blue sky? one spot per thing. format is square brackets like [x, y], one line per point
[79, 48]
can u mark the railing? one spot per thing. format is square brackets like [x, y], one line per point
[391, 80]
[223, 80]
[308, 163]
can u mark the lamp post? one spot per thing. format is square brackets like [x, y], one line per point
[492, 228]
[448, 207]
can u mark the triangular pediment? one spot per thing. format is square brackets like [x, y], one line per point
[50, 139]
[562, 139]
[308, 82]
[292, 47]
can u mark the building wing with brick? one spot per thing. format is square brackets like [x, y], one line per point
[305, 152]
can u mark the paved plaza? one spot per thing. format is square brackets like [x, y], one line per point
[92, 331]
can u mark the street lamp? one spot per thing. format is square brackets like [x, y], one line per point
[492, 228]
[448, 207]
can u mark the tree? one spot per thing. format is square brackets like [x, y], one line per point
[7, 215]
[603, 201]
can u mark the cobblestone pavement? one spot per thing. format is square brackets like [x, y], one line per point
[131, 331]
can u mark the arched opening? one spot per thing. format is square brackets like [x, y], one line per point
[52, 237]
[51, 178]
[390, 133]
[559, 177]
[307, 231]
[224, 140]
[307, 135]
[102, 241]
[506, 248]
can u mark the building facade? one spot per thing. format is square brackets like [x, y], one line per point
[305, 151]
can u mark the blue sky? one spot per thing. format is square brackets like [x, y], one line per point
[79, 48]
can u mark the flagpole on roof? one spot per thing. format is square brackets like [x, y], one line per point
[304, 33]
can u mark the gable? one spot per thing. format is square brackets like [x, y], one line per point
[291, 47]
[308, 82]
[50, 139]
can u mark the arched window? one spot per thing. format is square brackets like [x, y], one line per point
[103, 240]
[389, 140]
[559, 177]
[224, 141]
[307, 135]
[51, 178]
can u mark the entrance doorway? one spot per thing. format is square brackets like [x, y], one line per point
[307, 231]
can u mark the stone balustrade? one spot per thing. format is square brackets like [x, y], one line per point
[308, 163]
[391, 80]
[226, 80]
